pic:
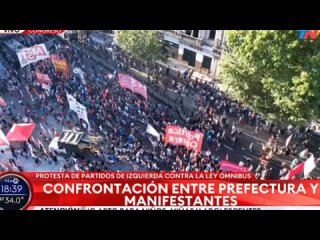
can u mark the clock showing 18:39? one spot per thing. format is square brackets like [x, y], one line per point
[15, 192]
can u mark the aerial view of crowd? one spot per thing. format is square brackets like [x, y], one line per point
[90, 106]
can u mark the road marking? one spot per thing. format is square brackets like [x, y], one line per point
[255, 138]
[228, 147]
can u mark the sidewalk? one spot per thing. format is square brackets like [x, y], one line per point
[176, 66]
[189, 102]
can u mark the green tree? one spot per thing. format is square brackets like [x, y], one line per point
[142, 44]
[275, 73]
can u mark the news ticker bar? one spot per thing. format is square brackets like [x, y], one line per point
[154, 191]
[31, 31]
[171, 208]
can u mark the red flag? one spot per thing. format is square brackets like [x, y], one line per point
[298, 169]
[20, 132]
[128, 82]
[43, 78]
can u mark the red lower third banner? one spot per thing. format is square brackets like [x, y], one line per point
[163, 191]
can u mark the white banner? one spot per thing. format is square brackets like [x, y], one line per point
[32, 54]
[153, 132]
[82, 113]
[80, 73]
[78, 108]
[303, 154]
[72, 102]
[309, 165]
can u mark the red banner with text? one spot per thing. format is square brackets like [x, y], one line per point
[177, 135]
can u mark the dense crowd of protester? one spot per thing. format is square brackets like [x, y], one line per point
[120, 117]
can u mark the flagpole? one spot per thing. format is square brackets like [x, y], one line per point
[302, 175]
[131, 85]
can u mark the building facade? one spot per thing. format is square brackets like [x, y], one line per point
[201, 49]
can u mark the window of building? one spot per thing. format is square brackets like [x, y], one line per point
[189, 56]
[212, 34]
[206, 62]
[196, 33]
[189, 32]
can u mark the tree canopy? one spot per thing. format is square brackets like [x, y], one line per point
[275, 73]
[142, 44]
